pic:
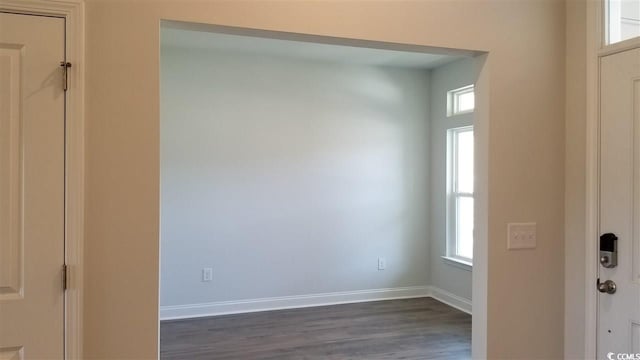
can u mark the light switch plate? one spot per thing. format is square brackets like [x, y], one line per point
[521, 236]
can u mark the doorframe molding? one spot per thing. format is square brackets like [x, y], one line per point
[595, 42]
[596, 48]
[73, 13]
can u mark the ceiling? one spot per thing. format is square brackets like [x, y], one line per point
[173, 36]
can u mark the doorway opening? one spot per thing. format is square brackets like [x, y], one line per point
[306, 179]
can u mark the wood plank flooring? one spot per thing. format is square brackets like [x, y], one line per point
[420, 328]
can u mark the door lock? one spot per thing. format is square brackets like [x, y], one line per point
[609, 250]
[608, 287]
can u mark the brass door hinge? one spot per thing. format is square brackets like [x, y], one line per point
[65, 74]
[65, 277]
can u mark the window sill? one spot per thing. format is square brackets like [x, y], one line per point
[454, 114]
[461, 264]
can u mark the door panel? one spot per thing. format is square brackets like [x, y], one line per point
[636, 177]
[31, 187]
[11, 353]
[619, 313]
[635, 338]
[10, 174]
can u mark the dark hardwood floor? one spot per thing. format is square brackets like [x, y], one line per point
[420, 328]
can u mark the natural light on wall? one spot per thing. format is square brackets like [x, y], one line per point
[623, 20]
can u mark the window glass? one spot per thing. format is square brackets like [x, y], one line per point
[466, 101]
[460, 194]
[465, 227]
[623, 20]
[464, 162]
[461, 101]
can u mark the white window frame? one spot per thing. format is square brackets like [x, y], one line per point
[452, 196]
[453, 105]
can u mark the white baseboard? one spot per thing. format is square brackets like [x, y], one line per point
[173, 312]
[289, 302]
[450, 299]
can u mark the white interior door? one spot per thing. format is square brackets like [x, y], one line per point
[31, 187]
[619, 312]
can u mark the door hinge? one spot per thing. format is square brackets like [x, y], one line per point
[65, 276]
[65, 74]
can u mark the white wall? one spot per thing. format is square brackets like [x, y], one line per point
[290, 177]
[445, 275]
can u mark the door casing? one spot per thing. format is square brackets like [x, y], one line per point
[72, 11]
[596, 49]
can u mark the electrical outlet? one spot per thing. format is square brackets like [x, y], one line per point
[207, 274]
[382, 263]
[521, 236]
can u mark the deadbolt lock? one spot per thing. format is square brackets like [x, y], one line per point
[609, 250]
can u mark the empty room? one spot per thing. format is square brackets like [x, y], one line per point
[317, 197]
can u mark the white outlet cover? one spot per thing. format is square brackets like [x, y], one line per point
[207, 274]
[521, 236]
[382, 263]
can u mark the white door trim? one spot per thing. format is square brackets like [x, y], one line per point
[73, 13]
[596, 49]
[595, 41]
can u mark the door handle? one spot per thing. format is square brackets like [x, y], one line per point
[608, 287]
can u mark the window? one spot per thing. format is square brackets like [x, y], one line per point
[460, 194]
[623, 20]
[460, 101]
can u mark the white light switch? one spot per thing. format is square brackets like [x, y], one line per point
[521, 236]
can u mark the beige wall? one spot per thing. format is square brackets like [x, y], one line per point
[575, 186]
[526, 171]
[577, 53]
